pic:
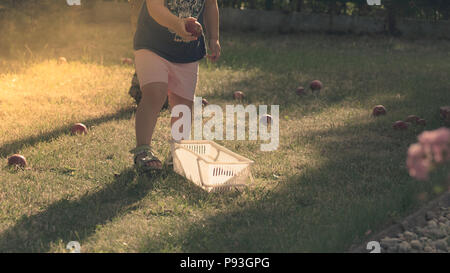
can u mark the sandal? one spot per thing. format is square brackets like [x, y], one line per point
[144, 155]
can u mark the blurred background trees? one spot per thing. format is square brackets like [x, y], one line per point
[389, 11]
[418, 9]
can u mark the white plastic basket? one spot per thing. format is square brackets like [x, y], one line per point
[210, 165]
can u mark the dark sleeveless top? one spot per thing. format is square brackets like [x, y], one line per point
[151, 35]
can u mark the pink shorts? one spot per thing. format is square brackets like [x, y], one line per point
[181, 78]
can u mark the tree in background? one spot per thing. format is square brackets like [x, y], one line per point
[431, 10]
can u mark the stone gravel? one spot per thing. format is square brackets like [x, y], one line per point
[433, 237]
[427, 230]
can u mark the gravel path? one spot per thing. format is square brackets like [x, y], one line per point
[426, 231]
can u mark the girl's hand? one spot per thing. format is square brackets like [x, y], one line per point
[214, 50]
[180, 29]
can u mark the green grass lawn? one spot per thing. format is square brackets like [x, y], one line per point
[337, 174]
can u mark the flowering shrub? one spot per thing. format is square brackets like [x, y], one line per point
[433, 149]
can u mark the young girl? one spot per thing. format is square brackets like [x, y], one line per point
[167, 60]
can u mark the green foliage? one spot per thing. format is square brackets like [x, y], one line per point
[420, 9]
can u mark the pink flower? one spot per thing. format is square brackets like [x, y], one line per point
[436, 144]
[417, 162]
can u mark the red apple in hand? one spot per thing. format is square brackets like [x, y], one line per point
[17, 160]
[78, 128]
[195, 28]
[379, 110]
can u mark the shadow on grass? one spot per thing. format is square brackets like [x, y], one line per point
[360, 184]
[13, 147]
[75, 220]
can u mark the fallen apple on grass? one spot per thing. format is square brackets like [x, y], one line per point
[444, 112]
[421, 121]
[62, 60]
[416, 120]
[127, 61]
[204, 102]
[238, 95]
[412, 119]
[17, 160]
[378, 110]
[266, 119]
[400, 125]
[79, 128]
[300, 91]
[316, 85]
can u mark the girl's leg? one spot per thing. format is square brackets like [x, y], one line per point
[153, 98]
[176, 100]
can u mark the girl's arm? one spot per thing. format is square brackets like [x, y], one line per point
[211, 21]
[164, 17]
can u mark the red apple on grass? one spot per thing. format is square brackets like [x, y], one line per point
[127, 61]
[78, 128]
[238, 95]
[300, 91]
[412, 119]
[445, 113]
[421, 121]
[204, 102]
[378, 110]
[266, 119]
[316, 85]
[62, 60]
[17, 160]
[195, 28]
[400, 125]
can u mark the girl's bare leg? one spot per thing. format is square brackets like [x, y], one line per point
[153, 98]
[176, 100]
